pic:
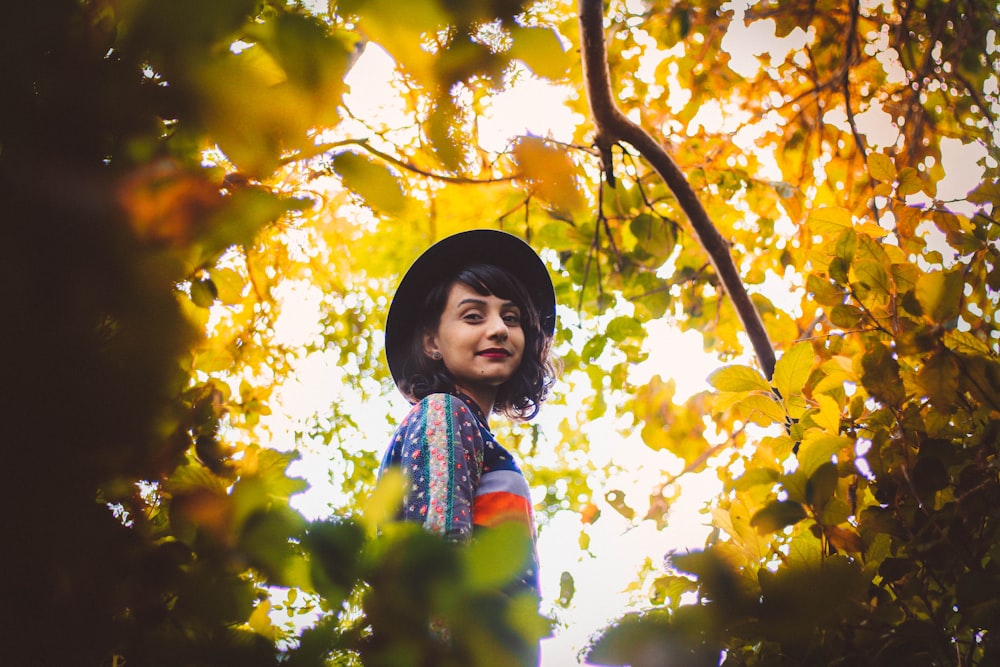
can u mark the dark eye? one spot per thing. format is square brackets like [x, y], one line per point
[472, 316]
[512, 318]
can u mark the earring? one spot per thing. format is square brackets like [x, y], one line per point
[436, 356]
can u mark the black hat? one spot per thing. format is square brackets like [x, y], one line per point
[444, 260]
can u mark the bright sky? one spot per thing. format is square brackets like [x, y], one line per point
[618, 547]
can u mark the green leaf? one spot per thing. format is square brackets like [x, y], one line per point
[805, 550]
[838, 269]
[624, 327]
[203, 293]
[247, 211]
[986, 192]
[372, 181]
[541, 50]
[335, 549]
[825, 293]
[847, 246]
[385, 501]
[559, 235]
[229, 284]
[880, 375]
[846, 316]
[443, 133]
[654, 236]
[777, 515]
[872, 281]
[940, 294]
[821, 485]
[496, 556]
[939, 378]
[738, 378]
[594, 347]
[567, 589]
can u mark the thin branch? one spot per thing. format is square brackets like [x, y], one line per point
[319, 149]
[613, 126]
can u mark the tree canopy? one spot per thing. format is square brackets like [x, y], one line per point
[812, 187]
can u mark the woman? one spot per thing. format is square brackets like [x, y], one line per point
[468, 334]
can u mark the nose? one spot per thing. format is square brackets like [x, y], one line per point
[497, 327]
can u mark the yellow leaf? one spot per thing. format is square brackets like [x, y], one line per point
[827, 417]
[910, 182]
[761, 409]
[882, 190]
[792, 370]
[550, 173]
[262, 66]
[844, 539]
[830, 221]
[541, 50]
[214, 359]
[805, 550]
[940, 294]
[260, 620]
[399, 27]
[907, 220]
[881, 167]
[373, 181]
[819, 447]
[871, 229]
[229, 284]
[738, 378]
[964, 342]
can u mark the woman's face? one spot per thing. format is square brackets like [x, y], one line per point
[479, 338]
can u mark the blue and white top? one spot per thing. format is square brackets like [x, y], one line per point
[460, 479]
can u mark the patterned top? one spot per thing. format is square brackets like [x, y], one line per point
[461, 480]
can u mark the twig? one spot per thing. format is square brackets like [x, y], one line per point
[319, 149]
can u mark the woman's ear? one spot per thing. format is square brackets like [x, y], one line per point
[431, 346]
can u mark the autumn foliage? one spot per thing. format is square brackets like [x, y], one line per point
[169, 171]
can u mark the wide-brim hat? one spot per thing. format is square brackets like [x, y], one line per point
[445, 259]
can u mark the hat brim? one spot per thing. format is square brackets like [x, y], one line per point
[442, 261]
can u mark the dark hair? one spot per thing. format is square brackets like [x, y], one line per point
[521, 396]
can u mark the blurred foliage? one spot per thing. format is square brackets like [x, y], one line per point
[170, 170]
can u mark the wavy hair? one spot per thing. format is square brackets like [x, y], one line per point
[521, 396]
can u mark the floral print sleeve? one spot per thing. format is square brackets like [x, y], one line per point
[440, 448]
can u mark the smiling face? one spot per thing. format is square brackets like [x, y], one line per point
[480, 341]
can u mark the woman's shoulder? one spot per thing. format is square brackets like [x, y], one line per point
[431, 404]
[444, 405]
[442, 400]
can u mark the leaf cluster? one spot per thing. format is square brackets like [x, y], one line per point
[859, 477]
[167, 170]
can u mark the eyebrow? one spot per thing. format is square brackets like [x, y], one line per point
[482, 302]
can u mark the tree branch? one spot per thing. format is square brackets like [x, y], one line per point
[613, 126]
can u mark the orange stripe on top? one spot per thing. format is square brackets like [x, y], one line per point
[493, 508]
